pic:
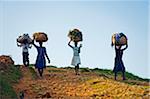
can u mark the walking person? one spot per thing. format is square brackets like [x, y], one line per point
[119, 65]
[76, 57]
[40, 60]
[25, 46]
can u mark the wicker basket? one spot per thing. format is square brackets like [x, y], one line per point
[75, 35]
[40, 37]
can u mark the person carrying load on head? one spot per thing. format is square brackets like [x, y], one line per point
[25, 43]
[40, 64]
[75, 36]
[119, 40]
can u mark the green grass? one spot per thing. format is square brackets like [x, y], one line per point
[85, 69]
[31, 65]
[134, 77]
[51, 66]
[67, 67]
[109, 73]
[8, 77]
[102, 71]
[6, 89]
[33, 73]
[56, 70]
[131, 78]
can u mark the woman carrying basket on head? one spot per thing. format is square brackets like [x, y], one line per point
[75, 36]
[76, 57]
[40, 60]
[119, 40]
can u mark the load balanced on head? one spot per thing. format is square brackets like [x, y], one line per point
[40, 37]
[25, 42]
[40, 63]
[119, 39]
[75, 35]
[24, 38]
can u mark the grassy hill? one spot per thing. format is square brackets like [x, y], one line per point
[63, 83]
[9, 75]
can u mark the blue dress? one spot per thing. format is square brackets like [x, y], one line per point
[40, 60]
[119, 66]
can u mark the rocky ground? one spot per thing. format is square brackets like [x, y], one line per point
[59, 83]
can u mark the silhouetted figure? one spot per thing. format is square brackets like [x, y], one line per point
[119, 66]
[76, 58]
[40, 60]
[25, 45]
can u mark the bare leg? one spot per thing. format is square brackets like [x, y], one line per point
[76, 70]
[40, 72]
[24, 59]
[115, 76]
[123, 76]
[28, 60]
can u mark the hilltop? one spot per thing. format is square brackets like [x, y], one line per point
[63, 83]
[91, 83]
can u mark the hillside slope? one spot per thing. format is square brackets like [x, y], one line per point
[63, 83]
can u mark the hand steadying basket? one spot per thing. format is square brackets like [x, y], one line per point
[75, 35]
[119, 39]
[40, 37]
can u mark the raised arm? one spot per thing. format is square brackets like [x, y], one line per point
[70, 44]
[125, 47]
[19, 45]
[80, 48]
[34, 44]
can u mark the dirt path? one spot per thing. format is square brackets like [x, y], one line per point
[64, 84]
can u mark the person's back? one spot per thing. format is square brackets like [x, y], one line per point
[119, 65]
[25, 45]
[40, 60]
[119, 53]
[41, 51]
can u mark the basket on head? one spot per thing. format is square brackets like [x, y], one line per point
[75, 35]
[119, 39]
[23, 38]
[40, 37]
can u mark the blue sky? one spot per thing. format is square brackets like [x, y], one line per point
[96, 19]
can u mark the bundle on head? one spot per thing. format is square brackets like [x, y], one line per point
[24, 38]
[40, 37]
[75, 35]
[119, 39]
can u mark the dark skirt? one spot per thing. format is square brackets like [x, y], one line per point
[40, 62]
[119, 66]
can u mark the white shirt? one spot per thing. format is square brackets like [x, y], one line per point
[25, 47]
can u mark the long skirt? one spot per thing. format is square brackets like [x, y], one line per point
[119, 66]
